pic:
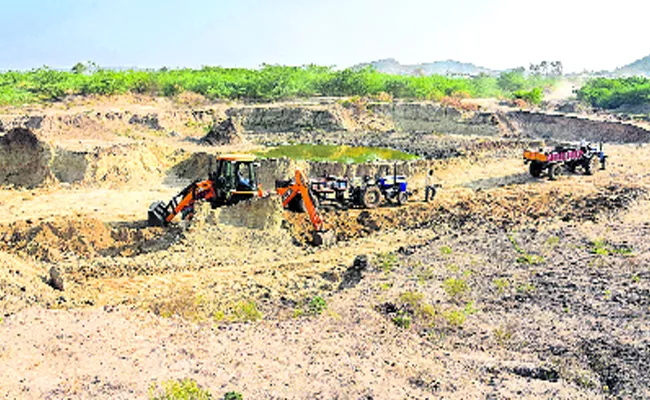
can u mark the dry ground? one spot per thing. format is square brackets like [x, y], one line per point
[514, 288]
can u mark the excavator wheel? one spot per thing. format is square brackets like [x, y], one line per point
[371, 197]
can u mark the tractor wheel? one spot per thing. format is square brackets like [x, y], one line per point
[402, 198]
[371, 197]
[554, 171]
[536, 169]
[591, 166]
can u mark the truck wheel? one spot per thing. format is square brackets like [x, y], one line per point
[571, 167]
[591, 166]
[536, 169]
[371, 197]
[402, 198]
[554, 171]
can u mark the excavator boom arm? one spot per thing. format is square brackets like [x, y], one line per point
[162, 214]
[303, 187]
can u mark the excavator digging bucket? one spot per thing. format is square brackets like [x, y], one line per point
[158, 211]
[323, 238]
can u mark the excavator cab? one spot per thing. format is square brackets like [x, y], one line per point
[232, 180]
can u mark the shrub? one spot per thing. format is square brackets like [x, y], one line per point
[233, 396]
[402, 320]
[503, 335]
[387, 261]
[615, 92]
[455, 287]
[501, 284]
[247, 311]
[268, 83]
[317, 305]
[534, 96]
[186, 389]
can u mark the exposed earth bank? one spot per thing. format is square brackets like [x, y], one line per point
[506, 286]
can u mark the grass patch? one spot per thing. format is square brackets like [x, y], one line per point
[445, 250]
[402, 320]
[501, 284]
[455, 287]
[341, 154]
[186, 389]
[317, 305]
[525, 257]
[602, 248]
[247, 311]
[386, 261]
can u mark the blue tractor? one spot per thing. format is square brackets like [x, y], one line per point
[370, 191]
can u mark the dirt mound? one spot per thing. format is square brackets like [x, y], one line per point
[192, 168]
[53, 240]
[503, 208]
[227, 236]
[24, 159]
[22, 284]
[62, 239]
[127, 165]
[261, 214]
[228, 131]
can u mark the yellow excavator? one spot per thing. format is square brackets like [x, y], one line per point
[233, 180]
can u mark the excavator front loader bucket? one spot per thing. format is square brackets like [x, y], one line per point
[158, 212]
[323, 238]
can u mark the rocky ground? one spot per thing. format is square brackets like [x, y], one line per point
[505, 287]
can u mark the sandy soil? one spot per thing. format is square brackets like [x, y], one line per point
[513, 287]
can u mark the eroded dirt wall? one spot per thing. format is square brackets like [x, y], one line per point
[572, 128]
[24, 159]
[288, 119]
[431, 117]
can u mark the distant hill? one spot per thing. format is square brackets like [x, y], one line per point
[639, 67]
[449, 67]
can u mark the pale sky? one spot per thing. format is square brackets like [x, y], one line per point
[495, 34]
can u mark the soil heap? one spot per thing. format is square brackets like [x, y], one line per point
[227, 132]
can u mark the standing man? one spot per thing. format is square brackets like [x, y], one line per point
[430, 187]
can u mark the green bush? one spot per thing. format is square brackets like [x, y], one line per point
[186, 389]
[233, 396]
[455, 287]
[533, 96]
[268, 83]
[402, 320]
[317, 305]
[613, 93]
[247, 311]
